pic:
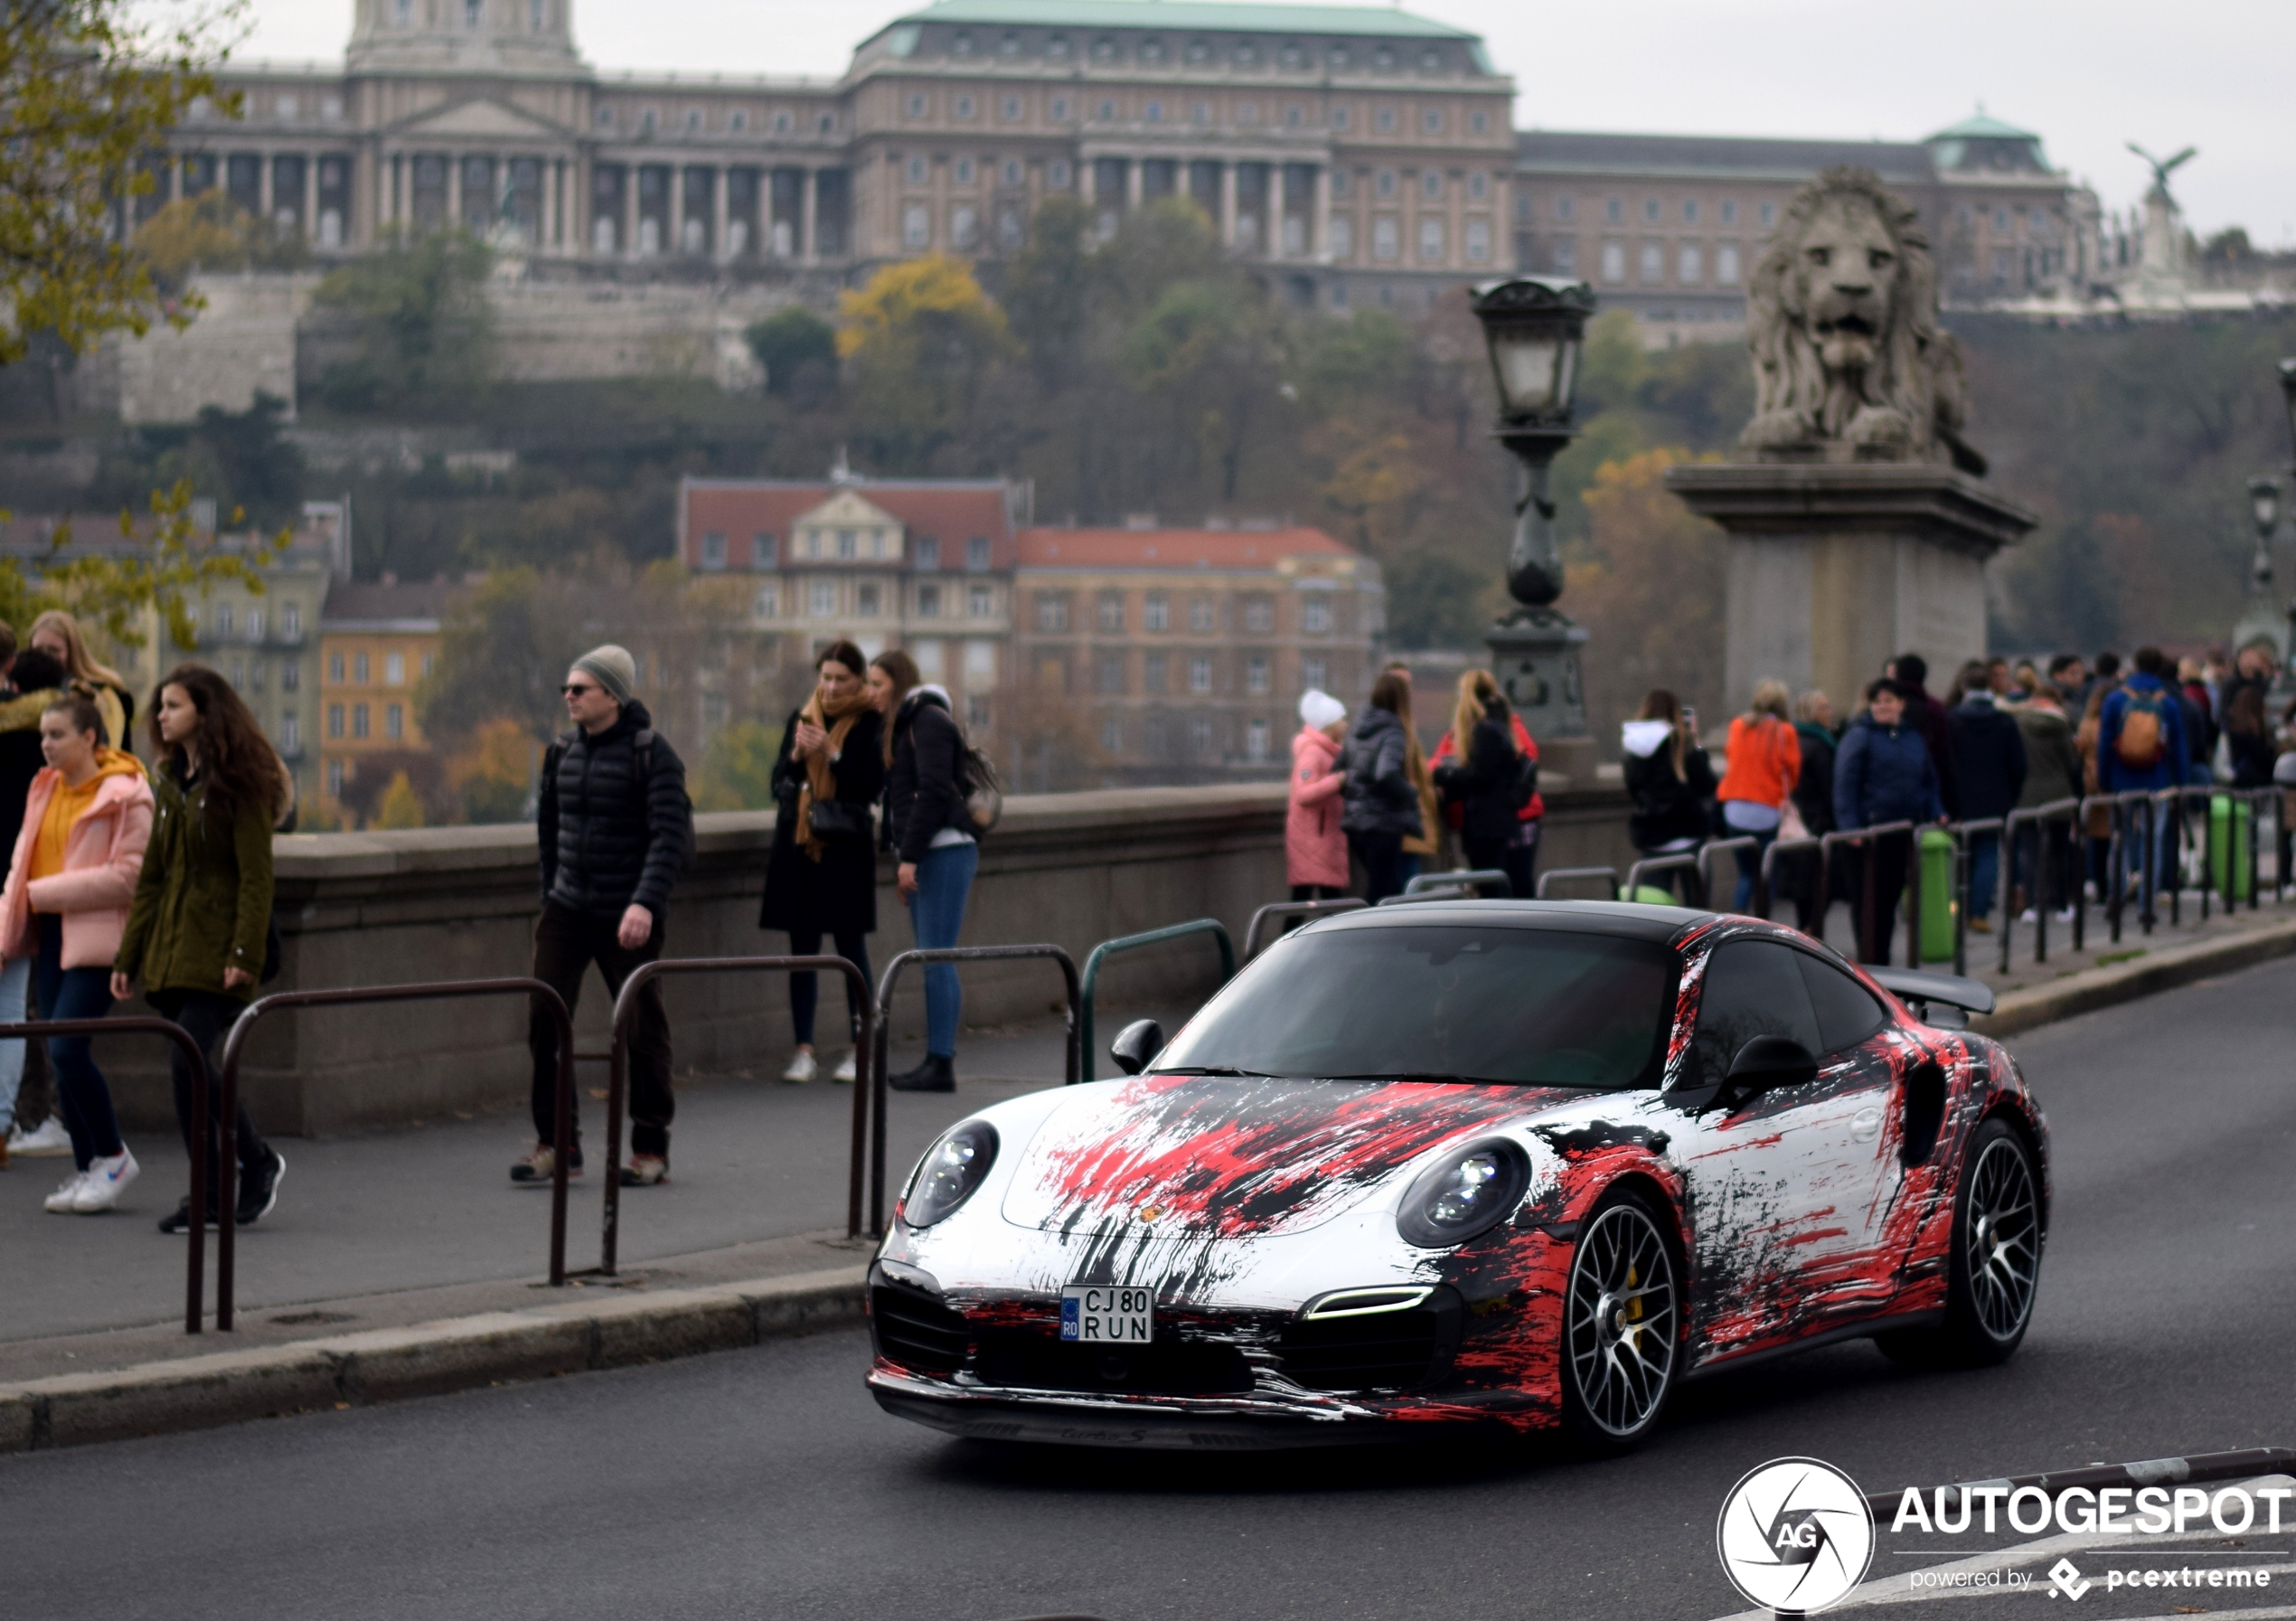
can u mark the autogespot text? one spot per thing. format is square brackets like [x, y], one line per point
[2140, 1511]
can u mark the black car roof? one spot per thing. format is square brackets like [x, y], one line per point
[1627, 919]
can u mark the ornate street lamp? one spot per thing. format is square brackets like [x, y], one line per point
[2288, 392]
[2263, 501]
[1535, 326]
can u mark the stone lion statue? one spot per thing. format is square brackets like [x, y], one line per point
[1841, 316]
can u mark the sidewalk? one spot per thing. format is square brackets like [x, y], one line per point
[386, 1228]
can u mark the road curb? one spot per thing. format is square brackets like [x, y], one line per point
[391, 1364]
[2160, 968]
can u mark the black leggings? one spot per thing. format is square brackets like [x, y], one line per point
[205, 1017]
[805, 990]
[1381, 854]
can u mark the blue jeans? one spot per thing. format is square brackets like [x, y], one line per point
[1749, 862]
[1984, 873]
[15, 982]
[937, 912]
[82, 1097]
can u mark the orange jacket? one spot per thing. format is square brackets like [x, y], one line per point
[1766, 762]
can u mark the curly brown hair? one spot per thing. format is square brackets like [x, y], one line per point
[236, 759]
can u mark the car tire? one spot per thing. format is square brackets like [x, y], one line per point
[1994, 1268]
[1622, 1331]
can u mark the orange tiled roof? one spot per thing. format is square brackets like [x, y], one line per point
[1233, 549]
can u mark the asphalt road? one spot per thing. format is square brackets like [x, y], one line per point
[765, 1483]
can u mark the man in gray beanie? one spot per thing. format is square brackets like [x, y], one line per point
[614, 828]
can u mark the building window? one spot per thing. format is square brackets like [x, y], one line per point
[1315, 615]
[769, 602]
[1431, 120]
[290, 675]
[1342, 240]
[1259, 615]
[1156, 674]
[1200, 616]
[928, 602]
[222, 619]
[1056, 174]
[1341, 117]
[848, 543]
[1690, 211]
[865, 601]
[334, 719]
[334, 669]
[1384, 119]
[965, 228]
[1650, 210]
[1156, 614]
[1562, 210]
[966, 171]
[1431, 248]
[1726, 264]
[976, 552]
[1387, 239]
[1566, 257]
[1199, 736]
[1200, 675]
[1052, 612]
[1255, 673]
[980, 603]
[2000, 222]
[1111, 735]
[394, 721]
[1614, 210]
[1689, 265]
[1769, 212]
[764, 553]
[1312, 675]
[980, 663]
[1729, 211]
[1112, 614]
[824, 600]
[1060, 110]
[1431, 184]
[358, 669]
[963, 108]
[1653, 265]
[290, 731]
[335, 779]
[358, 719]
[1478, 185]
[429, 665]
[1613, 261]
[917, 105]
[917, 226]
[1478, 241]
[1256, 740]
[1106, 113]
[1012, 172]
[1152, 113]
[394, 669]
[1112, 674]
[291, 622]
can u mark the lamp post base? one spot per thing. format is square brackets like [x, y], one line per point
[1535, 656]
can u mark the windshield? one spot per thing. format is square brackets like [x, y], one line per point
[1517, 1006]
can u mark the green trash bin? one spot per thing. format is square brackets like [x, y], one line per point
[2228, 822]
[1937, 897]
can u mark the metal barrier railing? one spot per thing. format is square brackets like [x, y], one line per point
[860, 1015]
[1133, 942]
[2047, 863]
[194, 1281]
[1964, 865]
[1480, 878]
[1862, 836]
[945, 953]
[1278, 911]
[1683, 861]
[1609, 876]
[235, 1046]
[1714, 847]
[1766, 881]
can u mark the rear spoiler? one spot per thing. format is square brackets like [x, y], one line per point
[1919, 990]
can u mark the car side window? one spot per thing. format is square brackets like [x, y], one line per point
[1847, 1012]
[1752, 988]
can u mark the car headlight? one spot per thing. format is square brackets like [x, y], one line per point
[1469, 1191]
[949, 1173]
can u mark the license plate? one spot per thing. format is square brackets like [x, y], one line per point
[1107, 1316]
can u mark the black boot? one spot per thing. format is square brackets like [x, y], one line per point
[936, 1074]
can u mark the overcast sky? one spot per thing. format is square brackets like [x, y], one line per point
[2087, 75]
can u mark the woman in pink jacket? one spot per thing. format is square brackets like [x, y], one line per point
[86, 821]
[1314, 847]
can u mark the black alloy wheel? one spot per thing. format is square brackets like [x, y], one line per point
[1995, 1264]
[1622, 1325]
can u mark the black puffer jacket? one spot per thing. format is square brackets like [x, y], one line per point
[1484, 788]
[614, 833]
[923, 790]
[1378, 796]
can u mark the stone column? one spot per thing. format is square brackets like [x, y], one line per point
[311, 199]
[1088, 180]
[1136, 183]
[721, 206]
[454, 191]
[1228, 204]
[677, 209]
[808, 215]
[629, 211]
[263, 199]
[552, 172]
[1318, 246]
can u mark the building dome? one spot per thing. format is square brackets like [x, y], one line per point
[524, 38]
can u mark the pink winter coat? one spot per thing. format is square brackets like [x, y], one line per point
[103, 853]
[1314, 849]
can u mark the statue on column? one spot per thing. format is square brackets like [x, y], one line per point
[1841, 315]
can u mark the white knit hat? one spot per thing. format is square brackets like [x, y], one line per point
[1319, 709]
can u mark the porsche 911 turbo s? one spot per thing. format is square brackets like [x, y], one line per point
[1509, 1164]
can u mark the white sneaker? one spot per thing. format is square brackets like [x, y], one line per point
[848, 1069]
[802, 1068]
[2065, 914]
[45, 1141]
[59, 1201]
[107, 1179]
[2028, 915]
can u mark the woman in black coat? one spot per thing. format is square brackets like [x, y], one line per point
[1670, 783]
[822, 876]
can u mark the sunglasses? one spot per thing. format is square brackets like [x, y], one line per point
[575, 688]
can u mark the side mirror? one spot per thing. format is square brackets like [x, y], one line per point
[1136, 1045]
[1768, 1061]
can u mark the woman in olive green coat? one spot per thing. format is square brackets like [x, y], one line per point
[202, 917]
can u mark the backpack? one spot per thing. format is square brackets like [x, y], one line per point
[983, 794]
[1525, 786]
[2138, 746]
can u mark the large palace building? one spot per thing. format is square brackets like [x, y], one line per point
[1364, 155]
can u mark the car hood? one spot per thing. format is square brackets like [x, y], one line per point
[1216, 1156]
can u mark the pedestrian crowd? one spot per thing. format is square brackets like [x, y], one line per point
[2005, 737]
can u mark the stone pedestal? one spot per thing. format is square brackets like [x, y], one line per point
[1534, 654]
[1836, 567]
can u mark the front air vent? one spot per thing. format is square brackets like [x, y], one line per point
[916, 1331]
[1020, 1360]
[1375, 1349]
